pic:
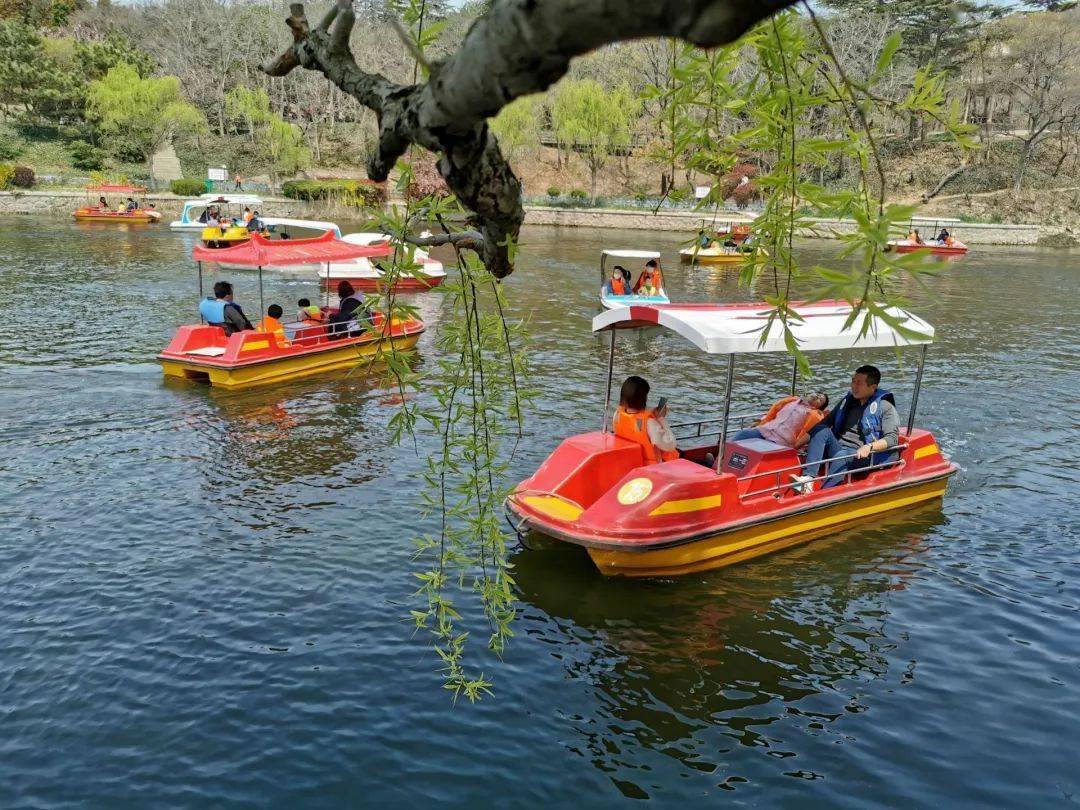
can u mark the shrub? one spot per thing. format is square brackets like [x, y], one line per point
[23, 177]
[578, 195]
[744, 193]
[358, 193]
[9, 148]
[6, 174]
[641, 195]
[87, 157]
[187, 187]
[553, 191]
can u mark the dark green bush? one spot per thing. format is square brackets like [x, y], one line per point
[9, 148]
[578, 194]
[554, 191]
[359, 193]
[187, 187]
[23, 177]
[87, 157]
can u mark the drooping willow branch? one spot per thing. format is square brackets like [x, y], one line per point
[516, 48]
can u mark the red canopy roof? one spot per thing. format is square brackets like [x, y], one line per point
[118, 189]
[259, 251]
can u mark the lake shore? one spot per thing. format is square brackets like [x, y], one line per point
[61, 202]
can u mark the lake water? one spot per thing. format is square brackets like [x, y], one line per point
[202, 593]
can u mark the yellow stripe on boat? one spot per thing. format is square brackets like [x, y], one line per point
[554, 506]
[255, 345]
[720, 550]
[687, 505]
[929, 450]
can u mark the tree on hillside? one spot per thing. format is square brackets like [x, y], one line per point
[285, 148]
[34, 86]
[593, 121]
[1042, 57]
[516, 126]
[135, 115]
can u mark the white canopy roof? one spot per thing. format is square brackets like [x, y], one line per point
[366, 238]
[737, 328]
[632, 254]
[310, 224]
[246, 199]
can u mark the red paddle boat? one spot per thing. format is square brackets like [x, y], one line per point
[635, 518]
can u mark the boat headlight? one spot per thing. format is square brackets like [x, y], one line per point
[634, 491]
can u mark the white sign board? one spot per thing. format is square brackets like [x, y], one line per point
[217, 173]
[701, 192]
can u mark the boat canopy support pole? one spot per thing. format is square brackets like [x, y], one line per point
[201, 319]
[915, 395]
[794, 374]
[727, 412]
[603, 271]
[262, 305]
[610, 375]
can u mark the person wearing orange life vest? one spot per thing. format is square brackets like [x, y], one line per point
[635, 422]
[651, 280]
[272, 323]
[789, 420]
[616, 285]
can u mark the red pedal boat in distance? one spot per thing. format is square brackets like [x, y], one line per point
[97, 213]
[957, 248]
[676, 517]
[204, 352]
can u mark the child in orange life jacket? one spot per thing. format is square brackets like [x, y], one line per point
[616, 285]
[309, 314]
[635, 422]
[272, 323]
[651, 281]
[789, 420]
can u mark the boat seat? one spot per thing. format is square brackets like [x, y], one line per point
[207, 351]
[748, 457]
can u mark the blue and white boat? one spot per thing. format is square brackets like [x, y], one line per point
[232, 205]
[609, 301]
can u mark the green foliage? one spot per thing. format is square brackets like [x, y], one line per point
[247, 107]
[23, 177]
[134, 114]
[553, 191]
[593, 121]
[187, 187]
[7, 173]
[95, 59]
[516, 126]
[357, 193]
[87, 157]
[578, 195]
[34, 86]
[9, 148]
[284, 146]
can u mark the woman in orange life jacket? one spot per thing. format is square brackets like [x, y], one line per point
[616, 285]
[789, 420]
[651, 280]
[635, 422]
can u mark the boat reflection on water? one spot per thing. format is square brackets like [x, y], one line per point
[699, 667]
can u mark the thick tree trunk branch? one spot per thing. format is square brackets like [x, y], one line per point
[516, 48]
[929, 195]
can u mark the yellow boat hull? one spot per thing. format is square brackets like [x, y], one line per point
[709, 256]
[120, 219]
[283, 369]
[739, 545]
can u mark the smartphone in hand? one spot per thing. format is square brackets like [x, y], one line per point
[661, 406]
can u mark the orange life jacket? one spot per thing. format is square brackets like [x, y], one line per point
[618, 286]
[273, 326]
[634, 427]
[811, 420]
[650, 278]
[948, 241]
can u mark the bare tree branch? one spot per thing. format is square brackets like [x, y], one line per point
[516, 48]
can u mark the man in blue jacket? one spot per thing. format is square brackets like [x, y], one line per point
[864, 425]
[221, 311]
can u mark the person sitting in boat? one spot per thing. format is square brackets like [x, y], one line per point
[247, 215]
[102, 204]
[616, 285]
[789, 420]
[221, 310]
[914, 238]
[944, 237]
[651, 280]
[351, 314]
[703, 240]
[636, 422]
[131, 205]
[864, 427]
[254, 224]
[309, 314]
[272, 323]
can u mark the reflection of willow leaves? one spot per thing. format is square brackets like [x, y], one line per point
[747, 651]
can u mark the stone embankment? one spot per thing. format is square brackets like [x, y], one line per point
[973, 233]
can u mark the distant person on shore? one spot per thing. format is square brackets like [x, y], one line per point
[221, 310]
[239, 179]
